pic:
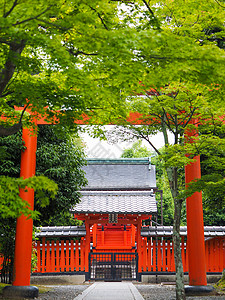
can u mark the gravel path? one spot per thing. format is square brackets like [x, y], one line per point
[167, 292]
[68, 292]
[148, 291]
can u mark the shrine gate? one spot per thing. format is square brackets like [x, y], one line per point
[118, 197]
[23, 244]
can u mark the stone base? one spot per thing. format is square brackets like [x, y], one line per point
[57, 279]
[18, 292]
[202, 290]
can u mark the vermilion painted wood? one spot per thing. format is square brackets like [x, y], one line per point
[38, 248]
[67, 256]
[133, 232]
[94, 232]
[147, 259]
[159, 256]
[221, 255]
[140, 257]
[154, 256]
[183, 253]
[166, 253]
[77, 256]
[195, 225]
[62, 257]
[82, 247]
[57, 257]
[48, 263]
[24, 227]
[53, 258]
[195, 229]
[43, 256]
[87, 246]
[172, 259]
[72, 259]
[144, 250]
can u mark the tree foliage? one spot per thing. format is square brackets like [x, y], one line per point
[60, 158]
[11, 205]
[59, 163]
[45, 59]
[138, 150]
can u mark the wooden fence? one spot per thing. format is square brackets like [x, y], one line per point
[60, 256]
[156, 255]
[215, 254]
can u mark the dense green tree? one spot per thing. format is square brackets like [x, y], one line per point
[138, 150]
[11, 204]
[60, 158]
[46, 49]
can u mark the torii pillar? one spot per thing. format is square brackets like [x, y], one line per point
[195, 233]
[24, 228]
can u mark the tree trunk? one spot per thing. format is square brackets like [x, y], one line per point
[180, 292]
[172, 176]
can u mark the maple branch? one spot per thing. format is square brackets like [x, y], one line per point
[11, 9]
[32, 18]
[102, 21]
[7, 131]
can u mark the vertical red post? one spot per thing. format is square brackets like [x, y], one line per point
[195, 226]
[140, 258]
[87, 246]
[24, 228]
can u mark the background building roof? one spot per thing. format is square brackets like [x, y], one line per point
[209, 231]
[120, 174]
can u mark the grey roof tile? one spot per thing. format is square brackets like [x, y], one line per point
[120, 174]
[61, 231]
[123, 202]
[72, 231]
[209, 231]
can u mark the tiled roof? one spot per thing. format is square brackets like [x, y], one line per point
[209, 231]
[59, 231]
[72, 231]
[124, 202]
[120, 174]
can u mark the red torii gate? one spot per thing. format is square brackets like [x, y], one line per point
[23, 243]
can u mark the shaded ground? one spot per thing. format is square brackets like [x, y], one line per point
[167, 292]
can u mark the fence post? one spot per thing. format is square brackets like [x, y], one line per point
[62, 257]
[57, 256]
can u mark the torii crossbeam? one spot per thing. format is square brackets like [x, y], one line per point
[23, 244]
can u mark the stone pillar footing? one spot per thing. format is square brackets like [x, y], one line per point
[195, 290]
[14, 292]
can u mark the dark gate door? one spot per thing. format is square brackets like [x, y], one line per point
[113, 266]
